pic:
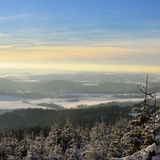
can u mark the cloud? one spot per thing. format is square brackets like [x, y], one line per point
[96, 37]
[96, 47]
[3, 35]
[82, 67]
[15, 17]
[77, 54]
[4, 47]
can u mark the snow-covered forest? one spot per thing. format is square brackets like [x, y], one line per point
[135, 139]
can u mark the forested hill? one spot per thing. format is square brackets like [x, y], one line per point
[39, 117]
[97, 133]
[8, 86]
[124, 139]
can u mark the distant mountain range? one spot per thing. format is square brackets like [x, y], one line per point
[47, 87]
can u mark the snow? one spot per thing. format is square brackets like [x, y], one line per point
[143, 154]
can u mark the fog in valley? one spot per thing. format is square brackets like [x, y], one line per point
[72, 90]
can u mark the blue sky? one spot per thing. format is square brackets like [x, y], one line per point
[104, 35]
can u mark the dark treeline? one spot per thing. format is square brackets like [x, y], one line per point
[25, 118]
[133, 139]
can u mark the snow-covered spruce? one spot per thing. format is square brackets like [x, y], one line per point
[138, 139]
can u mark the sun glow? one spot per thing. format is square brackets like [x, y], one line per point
[99, 59]
[52, 53]
[80, 67]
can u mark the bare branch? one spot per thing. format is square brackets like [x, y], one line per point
[140, 89]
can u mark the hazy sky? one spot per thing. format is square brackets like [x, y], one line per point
[81, 35]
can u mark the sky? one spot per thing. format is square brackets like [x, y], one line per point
[80, 35]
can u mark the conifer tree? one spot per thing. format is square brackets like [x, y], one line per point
[116, 148]
[143, 128]
[97, 147]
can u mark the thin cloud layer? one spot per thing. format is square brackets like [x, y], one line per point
[91, 33]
